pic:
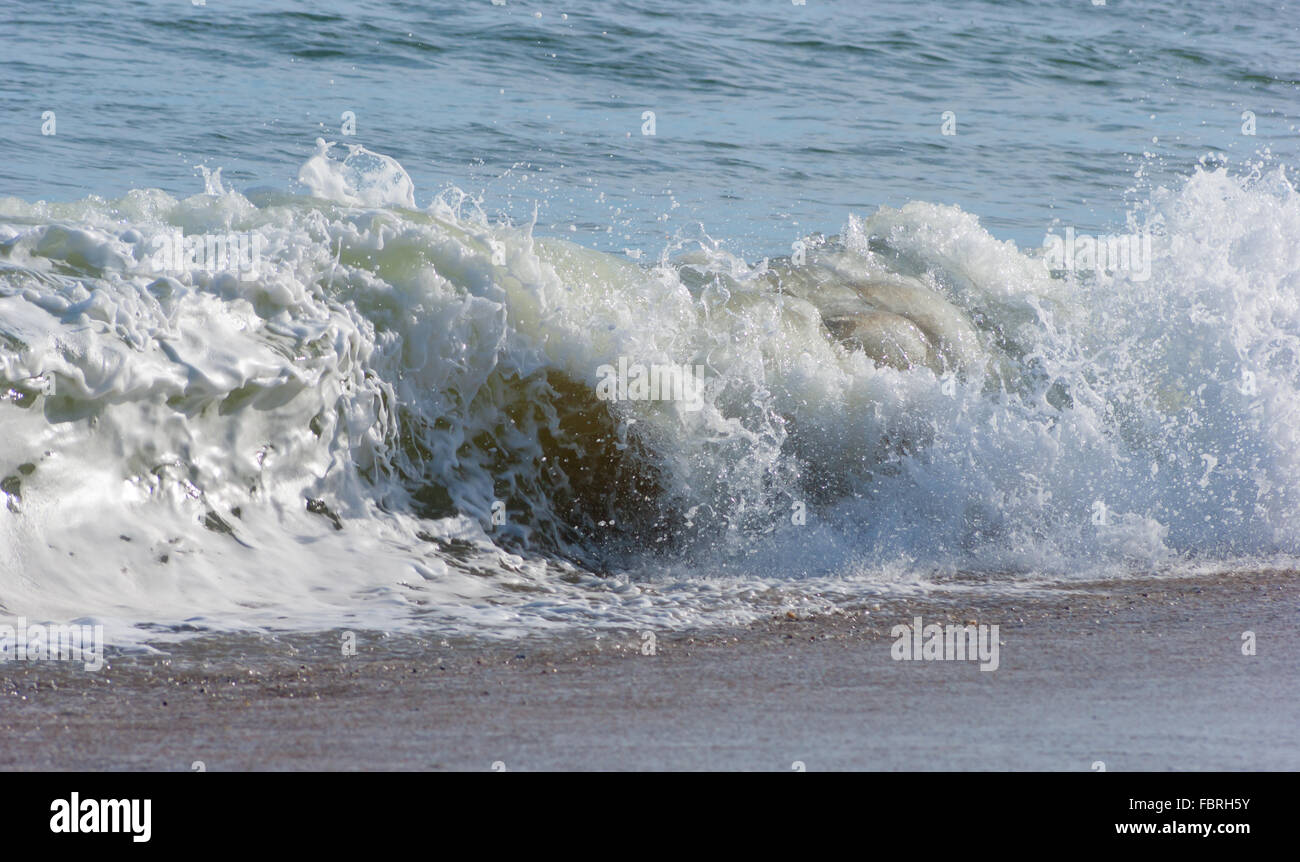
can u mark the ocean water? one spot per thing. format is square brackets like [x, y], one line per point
[842, 224]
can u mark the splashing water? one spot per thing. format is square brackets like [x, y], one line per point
[373, 414]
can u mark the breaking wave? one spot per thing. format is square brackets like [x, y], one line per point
[363, 412]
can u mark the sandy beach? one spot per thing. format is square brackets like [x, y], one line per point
[1144, 675]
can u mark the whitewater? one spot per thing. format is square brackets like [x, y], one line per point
[392, 421]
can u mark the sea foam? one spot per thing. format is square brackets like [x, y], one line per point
[393, 421]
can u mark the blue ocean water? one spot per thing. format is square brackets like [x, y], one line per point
[772, 119]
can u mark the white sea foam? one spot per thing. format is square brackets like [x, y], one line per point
[326, 443]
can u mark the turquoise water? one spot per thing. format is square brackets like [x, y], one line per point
[773, 120]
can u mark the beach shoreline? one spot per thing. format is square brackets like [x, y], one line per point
[1137, 675]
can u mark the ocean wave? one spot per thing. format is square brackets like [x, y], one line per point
[339, 408]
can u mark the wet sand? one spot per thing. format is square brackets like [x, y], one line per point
[1144, 675]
